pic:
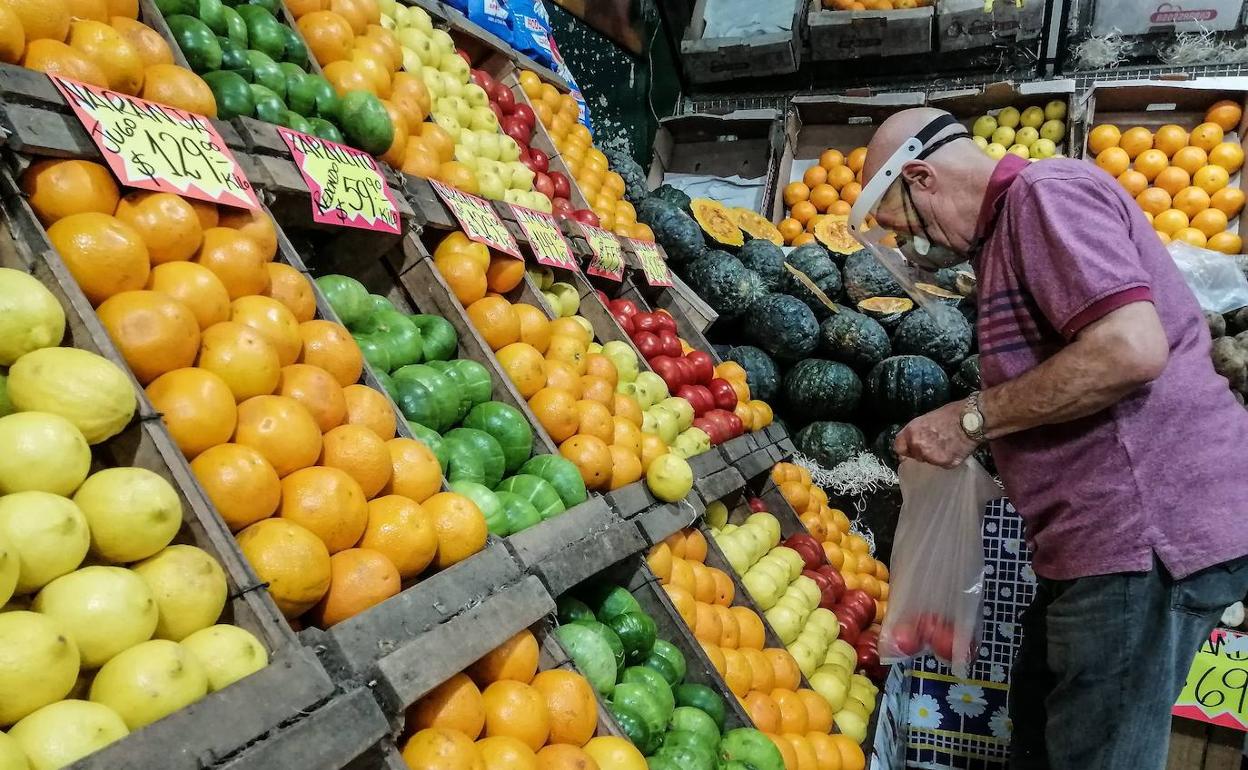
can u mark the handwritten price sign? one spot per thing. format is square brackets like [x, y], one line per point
[160, 148]
[652, 263]
[608, 259]
[478, 219]
[346, 185]
[1217, 684]
[549, 247]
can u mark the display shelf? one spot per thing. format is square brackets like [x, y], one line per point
[769, 493]
[661, 521]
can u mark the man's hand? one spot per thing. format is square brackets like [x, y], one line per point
[936, 438]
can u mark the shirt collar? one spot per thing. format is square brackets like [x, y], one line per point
[1006, 171]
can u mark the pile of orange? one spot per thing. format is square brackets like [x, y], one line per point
[332, 510]
[847, 551]
[602, 188]
[356, 53]
[100, 42]
[829, 187]
[501, 712]
[1181, 179]
[766, 680]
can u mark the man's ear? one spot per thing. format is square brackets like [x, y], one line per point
[919, 174]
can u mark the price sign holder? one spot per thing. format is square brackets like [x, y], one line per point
[155, 147]
[478, 219]
[346, 185]
[548, 244]
[652, 263]
[608, 258]
[1217, 683]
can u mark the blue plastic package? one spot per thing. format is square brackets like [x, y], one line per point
[492, 16]
[459, 5]
[530, 31]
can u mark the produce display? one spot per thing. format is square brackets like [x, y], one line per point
[1180, 175]
[1034, 133]
[828, 188]
[107, 624]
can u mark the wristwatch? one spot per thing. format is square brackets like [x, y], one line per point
[972, 419]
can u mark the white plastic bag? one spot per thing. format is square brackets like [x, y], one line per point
[937, 567]
[1213, 277]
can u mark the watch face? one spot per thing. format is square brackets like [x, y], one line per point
[971, 422]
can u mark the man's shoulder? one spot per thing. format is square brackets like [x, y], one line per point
[1066, 181]
[1062, 169]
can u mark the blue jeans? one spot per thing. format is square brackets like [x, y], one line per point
[1102, 661]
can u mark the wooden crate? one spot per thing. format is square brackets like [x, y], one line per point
[720, 59]
[1200, 746]
[568, 548]
[844, 35]
[662, 520]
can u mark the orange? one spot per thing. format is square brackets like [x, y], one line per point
[1103, 137]
[534, 325]
[1133, 182]
[762, 678]
[460, 525]
[346, 76]
[359, 579]
[328, 503]
[105, 255]
[818, 712]
[1150, 163]
[290, 287]
[570, 703]
[93, 10]
[569, 350]
[414, 470]
[438, 140]
[1190, 159]
[241, 357]
[592, 458]
[594, 419]
[40, 19]
[1228, 200]
[419, 158]
[239, 482]
[1228, 155]
[56, 189]
[464, 279]
[504, 273]
[729, 633]
[1154, 200]
[1206, 136]
[1210, 178]
[518, 710]
[255, 224]
[626, 407]
[750, 628]
[1169, 139]
[850, 192]
[626, 435]
[282, 430]
[787, 674]
[442, 749]
[561, 756]
[1172, 179]
[354, 12]
[458, 175]
[795, 192]
[695, 548]
[1136, 140]
[273, 321]
[851, 753]
[178, 87]
[456, 704]
[301, 8]
[55, 58]
[706, 625]
[737, 673]
[598, 365]
[236, 259]
[523, 366]
[370, 409]
[514, 659]
[196, 406]
[625, 467]
[154, 333]
[826, 755]
[207, 213]
[763, 711]
[196, 287]
[793, 717]
[1191, 201]
[815, 176]
[116, 57]
[786, 751]
[1225, 113]
[686, 606]
[399, 529]
[376, 67]
[1114, 160]
[716, 656]
[570, 327]
[840, 176]
[803, 211]
[823, 196]
[151, 47]
[555, 409]
[597, 389]
[409, 94]
[291, 560]
[651, 447]
[660, 560]
[1190, 235]
[789, 229]
[317, 390]
[166, 223]
[1227, 243]
[502, 752]
[328, 35]
[361, 453]
[856, 158]
[829, 158]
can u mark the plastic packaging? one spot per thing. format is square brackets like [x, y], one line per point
[1213, 277]
[937, 565]
[492, 16]
[530, 30]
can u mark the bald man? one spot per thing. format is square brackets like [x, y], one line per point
[1124, 451]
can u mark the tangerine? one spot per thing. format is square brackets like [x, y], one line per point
[1225, 113]
[239, 482]
[460, 525]
[196, 406]
[196, 287]
[105, 255]
[237, 260]
[178, 87]
[370, 409]
[517, 710]
[241, 357]
[1206, 136]
[1190, 159]
[514, 659]
[153, 332]
[1172, 179]
[1211, 178]
[1135, 141]
[1154, 200]
[1210, 221]
[414, 469]
[456, 704]
[282, 430]
[1228, 200]
[56, 189]
[795, 193]
[1227, 243]
[591, 456]
[1191, 201]
[1170, 139]
[359, 578]
[815, 176]
[292, 562]
[1170, 221]
[329, 346]
[1228, 155]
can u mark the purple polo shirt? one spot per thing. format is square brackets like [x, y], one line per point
[1164, 472]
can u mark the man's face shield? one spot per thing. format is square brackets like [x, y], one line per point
[885, 220]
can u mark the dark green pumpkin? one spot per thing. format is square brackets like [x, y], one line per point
[766, 259]
[966, 379]
[865, 277]
[652, 208]
[822, 390]
[680, 236]
[677, 198]
[783, 326]
[829, 443]
[761, 372]
[901, 388]
[853, 338]
[938, 332]
[882, 445]
[813, 261]
[728, 286]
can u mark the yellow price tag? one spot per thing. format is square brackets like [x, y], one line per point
[608, 258]
[652, 263]
[156, 147]
[346, 185]
[1217, 683]
[547, 243]
[478, 219]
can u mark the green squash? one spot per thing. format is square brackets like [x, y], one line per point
[637, 633]
[745, 744]
[783, 326]
[638, 699]
[680, 236]
[508, 426]
[375, 352]
[940, 333]
[966, 379]
[519, 513]
[561, 474]
[610, 600]
[707, 743]
[571, 609]
[323, 129]
[487, 450]
[610, 637]
[699, 696]
[432, 439]
[654, 682]
[690, 756]
[865, 277]
[347, 296]
[678, 198]
[635, 727]
[901, 388]
[761, 372]
[694, 720]
[540, 494]
[829, 443]
[426, 396]
[487, 502]
[767, 260]
[591, 653]
[462, 463]
[396, 332]
[813, 261]
[667, 660]
[882, 445]
[471, 380]
[853, 338]
[439, 336]
[822, 390]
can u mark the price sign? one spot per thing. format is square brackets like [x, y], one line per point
[549, 247]
[608, 259]
[1217, 684]
[155, 147]
[478, 219]
[346, 185]
[652, 263]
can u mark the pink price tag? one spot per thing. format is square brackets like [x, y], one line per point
[346, 184]
[652, 262]
[608, 258]
[547, 243]
[155, 147]
[478, 219]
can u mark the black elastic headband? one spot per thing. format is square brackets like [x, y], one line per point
[934, 128]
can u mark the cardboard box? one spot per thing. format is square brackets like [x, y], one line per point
[962, 24]
[838, 35]
[1132, 17]
[967, 104]
[718, 59]
[744, 143]
[816, 123]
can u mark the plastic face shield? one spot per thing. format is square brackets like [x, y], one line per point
[902, 247]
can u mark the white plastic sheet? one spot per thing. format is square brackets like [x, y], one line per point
[745, 18]
[732, 191]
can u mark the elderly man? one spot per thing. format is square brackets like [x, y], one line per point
[1124, 451]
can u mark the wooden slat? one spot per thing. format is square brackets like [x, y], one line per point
[663, 519]
[567, 549]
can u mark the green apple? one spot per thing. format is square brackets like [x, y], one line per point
[521, 175]
[762, 518]
[542, 275]
[809, 589]
[995, 150]
[736, 555]
[490, 186]
[451, 84]
[514, 196]
[696, 439]
[487, 143]
[761, 588]
[1055, 110]
[655, 385]
[1054, 130]
[552, 300]
[386, 7]
[484, 119]
[450, 123]
[984, 126]
[860, 690]
[1026, 135]
[826, 619]
[569, 299]
[717, 514]
[669, 427]
[851, 724]
[785, 621]
[846, 652]
[510, 152]
[795, 602]
[452, 64]
[432, 79]
[466, 156]
[625, 360]
[728, 528]
[1003, 135]
[1032, 117]
[776, 572]
[476, 97]
[227, 654]
[979, 141]
[1020, 150]
[805, 657]
[442, 40]
[1009, 117]
[791, 559]
[681, 408]
[580, 319]
[1043, 148]
[837, 666]
[830, 686]
[149, 681]
[420, 44]
[388, 22]
[593, 347]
